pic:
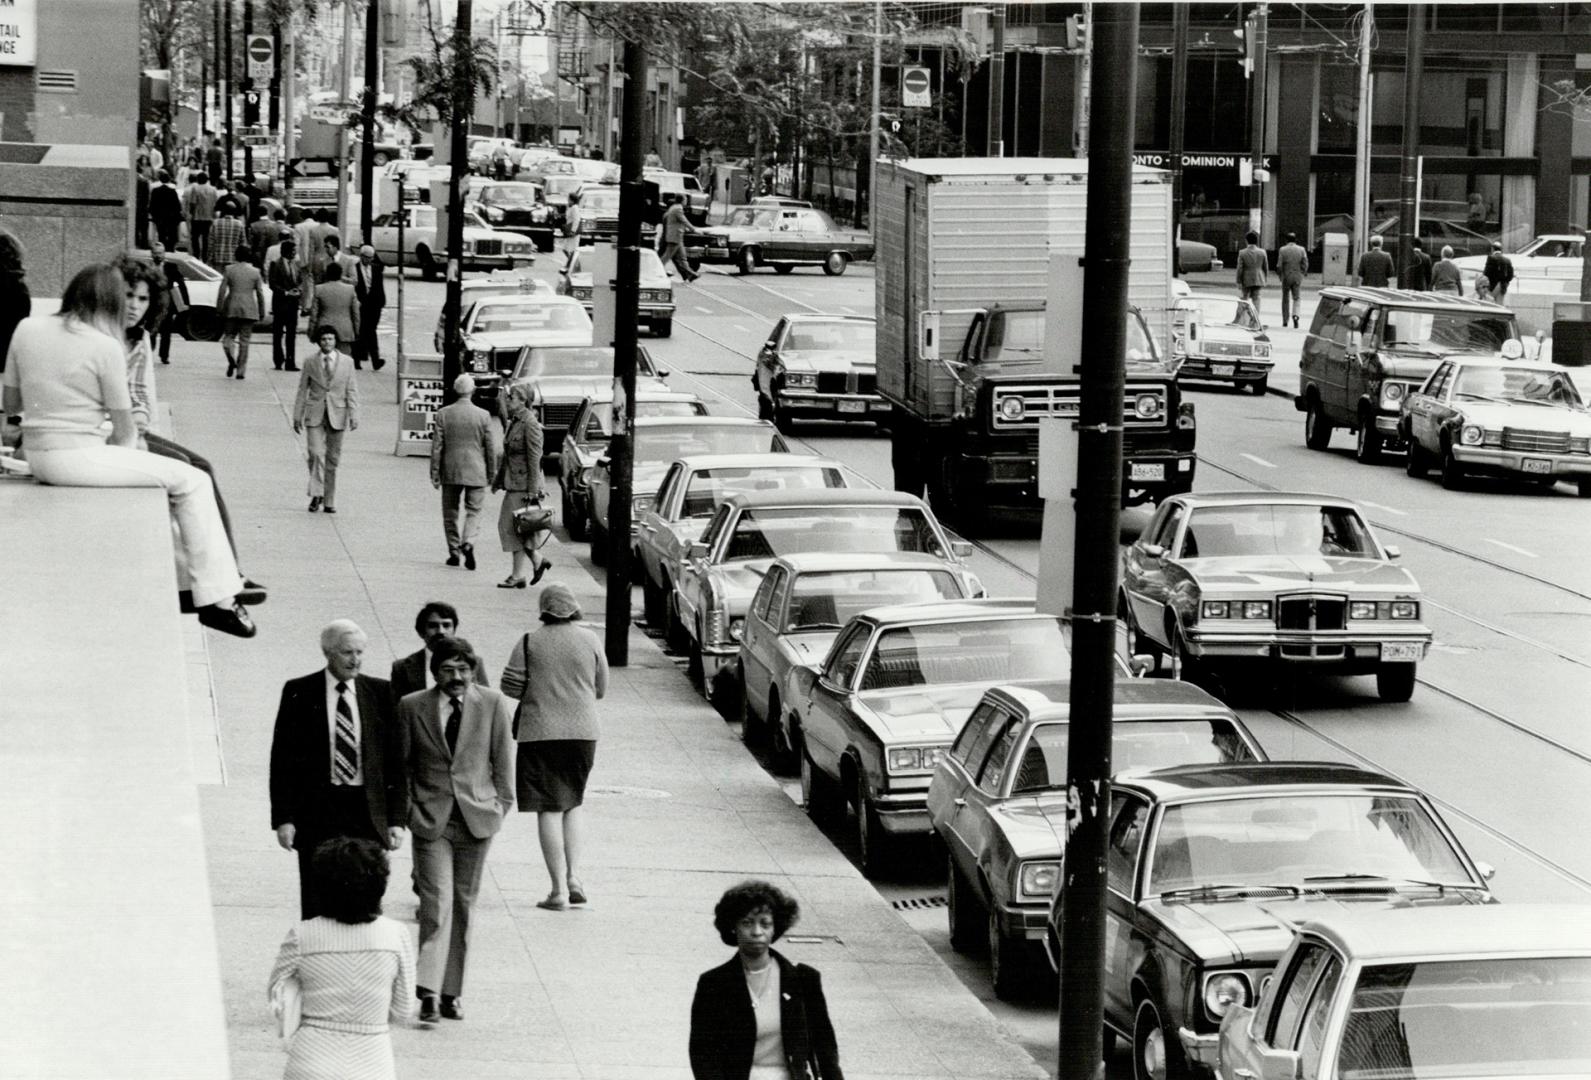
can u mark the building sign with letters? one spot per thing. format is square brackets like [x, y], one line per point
[1201, 159]
[19, 33]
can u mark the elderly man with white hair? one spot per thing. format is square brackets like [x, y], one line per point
[463, 461]
[337, 763]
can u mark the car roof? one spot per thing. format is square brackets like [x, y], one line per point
[1396, 934]
[1248, 778]
[1406, 298]
[698, 421]
[527, 299]
[818, 562]
[1134, 699]
[605, 397]
[822, 496]
[946, 611]
[1196, 499]
[820, 316]
[1503, 362]
[752, 461]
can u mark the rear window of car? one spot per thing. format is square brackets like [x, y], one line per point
[709, 487]
[827, 600]
[774, 532]
[1153, 744]
[976, 651]
[575, 360]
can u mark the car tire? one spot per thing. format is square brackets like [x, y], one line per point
[573, 521]
[1452, 471]
[963, 910]
[1367, 441]
[1008, 961]
[1583, 487]
[598, 538]
[747, 261]
[753, 732]
[1415, 464]
[1156, 1054]
[678, 638]
[817, 791]
[835, 262]
[1257, 387]
[764, 408]
[652, 603]
[202, 324]
[783, 268]
[429, 269]
[1395, 682]
[1317, 429]
[783, 737]
[872, 843]
[663, 328]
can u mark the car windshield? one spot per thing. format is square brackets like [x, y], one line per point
[851, 335]
[664, 443]
[1515, 384]
[751, 217]
[510, 195]
[1016, 336]
[769, 532]
[1300, 839]
[709, 487]
[1150, 744]
[563, 184]
[600, 199]
[1224, 311]
[826, 600]
[1000, 650]
[1215, 532]
[528, 318]
[1447, 331]
[1512, 1016]
[576, 361]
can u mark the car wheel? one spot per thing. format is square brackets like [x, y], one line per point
[599, 543]
[962, 908]
[753, 732]
[1395, 682]
[1584, 487]
[651, 603]
[781, 418]
[1008, 969]
[817, 791]
[1257, 387]
[1367, 443]
[782, 268]
[202, 324]
[1415, 463]
[747, 261]
[1155, 1055]
[1317, 429]
[663, 328]
[1452, 471]
[429, 268]
[872, 844]
[835, 262]
[678, 639]
[573, 520]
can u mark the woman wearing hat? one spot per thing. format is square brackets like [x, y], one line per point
[558, 672]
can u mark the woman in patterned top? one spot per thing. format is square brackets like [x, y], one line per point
[355, 969]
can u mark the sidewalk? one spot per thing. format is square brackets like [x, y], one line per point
[678, 810]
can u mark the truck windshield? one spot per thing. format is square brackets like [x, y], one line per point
[1018, 336]
[1447, 331]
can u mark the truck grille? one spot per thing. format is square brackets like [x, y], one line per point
[488, 247]
[1311, 612]
[1536, 442]
[1061, 401]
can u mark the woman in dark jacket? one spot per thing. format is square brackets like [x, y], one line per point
[519, 478]
[760, 1017]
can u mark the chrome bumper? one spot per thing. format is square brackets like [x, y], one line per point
[1513, 461]
[1202, 1050]
[1326, 646]
[841, 406]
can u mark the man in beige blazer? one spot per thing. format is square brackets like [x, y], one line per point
[327, 405]
[463, 461]
[459, 757]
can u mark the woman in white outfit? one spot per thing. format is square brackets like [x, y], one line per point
[66, 373]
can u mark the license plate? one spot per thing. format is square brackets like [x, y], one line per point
[1223, 369]
[1146, 471]
[1537, 465]
[851, 406]
[1401, 650]
[880, 406]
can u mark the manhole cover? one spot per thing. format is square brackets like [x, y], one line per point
[919, 903]
[622, 791]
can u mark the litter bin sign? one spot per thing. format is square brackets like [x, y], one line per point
[419, 397]
[1334, 259]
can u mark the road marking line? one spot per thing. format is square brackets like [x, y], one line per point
[787, 296]
[1258, 461]
[703, 310]
[722, 299]
[742, 329]
[1512, 547]
[1388, 509]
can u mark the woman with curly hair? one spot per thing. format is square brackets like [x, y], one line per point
[759, 1016]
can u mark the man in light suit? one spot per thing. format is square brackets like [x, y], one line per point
[368, 276]
[463, 461]
[459, 758]
[327, 405]
[1253, 270]
[337, 758]
[436, 622]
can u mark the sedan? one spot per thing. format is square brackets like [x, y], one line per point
[818, 367]
[657, 290]
[515, 206]
[1488, 991]
[1294, 579]
[1220, 338]
[585, 442]
[498, 330]
[566, 373]
[998, 802]
[1499, 418]
[1195, 257]
[785, 237]
[484, 247]
[1209, 868]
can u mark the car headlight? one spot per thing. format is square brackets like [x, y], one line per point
[1013, 408]
[1262, 350]
[1147, 406]
[807, 379]
[585, 477]
[1392, 394]
[1472, 435]
[1256, 609]
[469, 247]
[737, 627]
[1405, 609]
[1038, 880]
[1223, 990]
[640, 504]
[912, 758]
[1362, 609]
[1214, 609]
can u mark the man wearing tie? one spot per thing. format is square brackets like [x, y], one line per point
[371, 289]
[459, 758]
[336, 758]
[326, 406]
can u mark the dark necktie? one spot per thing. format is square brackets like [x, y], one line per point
[452, 730]
[345, 750]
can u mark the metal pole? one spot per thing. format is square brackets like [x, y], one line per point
[1085, 81]
[1361, 171]
[996, 140]
[621, 448]
[397, 315]
[217, 71]
[230, 46]
[367, 160]
[463, 108]
[274, 117]
[1409, 175]
[248, 86]
[872, 126]
[1256, 191]
[1179, 115]
[287, 75]
[1098, 550]
[344, 93]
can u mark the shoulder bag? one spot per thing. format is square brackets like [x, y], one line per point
[287, 1003]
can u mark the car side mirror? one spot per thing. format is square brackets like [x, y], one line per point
[961, 549]
[602, 462]
[1487, 870]
[1393, 551]
[663, 372]
[1141, 664]
[1279, 1064]
[698, 550]
[1154, 551]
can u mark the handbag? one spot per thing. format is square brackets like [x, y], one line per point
[287, 1003]
[532, 524]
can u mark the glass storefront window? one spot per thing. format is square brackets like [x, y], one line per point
[1337, 124]
[1461, 108]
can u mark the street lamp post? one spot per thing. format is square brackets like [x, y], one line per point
[367, 119]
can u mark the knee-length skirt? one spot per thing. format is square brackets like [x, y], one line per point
[551, 774]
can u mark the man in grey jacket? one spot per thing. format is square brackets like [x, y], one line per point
[1253, 270]
[1292, 263]
[463, 461]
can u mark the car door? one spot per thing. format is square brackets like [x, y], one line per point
[1426, 407]
[1148, 577]
[1358, 371]
[653, 529]
[384, 236]
[694, 571]
[785, 243]
[826, 718]
[973, 824]
[812, 235]
[1124, 856]
[759, 639]
[1294, 1015]
[957, 776]
[572, 457]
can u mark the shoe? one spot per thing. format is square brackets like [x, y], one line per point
[540, 570]
[185, 602]
[291, 367]
[314, 503]
[577, 893]
[228, 618]
[230, 368]
[378, 365]
[251, 595]
[163, 360]
[469, 555]
[250, 583]
[452, 1007]
[429, 1012]
[452, 558]
[240, 376]
[328, 509]
[1295, 324]
[554, 902]
[511, 582]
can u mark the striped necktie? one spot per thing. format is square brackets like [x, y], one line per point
[345, 749]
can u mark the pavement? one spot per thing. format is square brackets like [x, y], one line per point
[678, 810]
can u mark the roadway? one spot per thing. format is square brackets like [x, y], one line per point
[1495, 732]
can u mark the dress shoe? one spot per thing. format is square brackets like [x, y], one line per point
[452, 1007]
[541, 569]
[228, 618]
[511, 582]
[291, 367]
[231, 368]
[377, 365]
[429, 1012]
[452, 558]
[250, 596]
[328, 509]
[185, 602]
[314, 503]
[469, 555]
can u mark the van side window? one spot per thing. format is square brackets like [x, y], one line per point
[1324, 312]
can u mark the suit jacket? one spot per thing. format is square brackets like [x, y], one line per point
[165, 205]
[1376, 268]
[1417, 275]
[198, 202]
[724, 1026]
[336, 306]
[478, 775]
[1292, 263]
[242, 292]
[176, 289]
[1253, 267]
[375, 293]
[301, 755]
[286, 275]
[519, 469]
[1499, 269]
[327, 399]
[408, 674]
[1445, 277]
[463, 448]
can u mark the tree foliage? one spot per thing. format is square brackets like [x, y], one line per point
[456, 70]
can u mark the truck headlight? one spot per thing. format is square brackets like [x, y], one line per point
[1013, 408]
[1392, 394]
[1147, 406]
[807, 380]
[1038, 880]
[480, 359]
[1472, 435]
[1362, 609]
[1214, 609]
[1256, 609]
[1223, 990]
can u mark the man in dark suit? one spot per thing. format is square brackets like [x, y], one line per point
[176, 296]
[337, 758]
[436, 622]
[371, 288]
[1417, 275]
[459, 757]
[1376, 269]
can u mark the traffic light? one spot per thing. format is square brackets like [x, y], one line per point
[251, 107]
[1076, 32]
[651, 202]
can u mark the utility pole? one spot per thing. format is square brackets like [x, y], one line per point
[217, 71]
[1256, 191]
[248, 86]
[621, 447]
[458, 137]
[286, 74]
[274, 117]
[1409, 171]
[227, 43]
[1084, 84]
[1361, 171]
[1098, 542]
[344, 93]
[997, 85]
[367, 160]
[872, 126]
[1179, 115]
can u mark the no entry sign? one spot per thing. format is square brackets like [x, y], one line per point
[914, 93]
[262, 57]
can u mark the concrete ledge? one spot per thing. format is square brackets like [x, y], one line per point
[110, 950]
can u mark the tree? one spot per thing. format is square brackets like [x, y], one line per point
[455, 61]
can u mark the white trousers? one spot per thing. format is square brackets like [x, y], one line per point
[212, 572]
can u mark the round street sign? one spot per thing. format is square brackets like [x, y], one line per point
[260, 49]
[914, 88]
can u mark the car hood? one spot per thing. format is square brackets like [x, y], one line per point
[1034, 825]
[1256, 930]
[1235, 335]
[1576, 422]
[934, 713]
[827, 361]
[1272, 573]
[576, 388]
